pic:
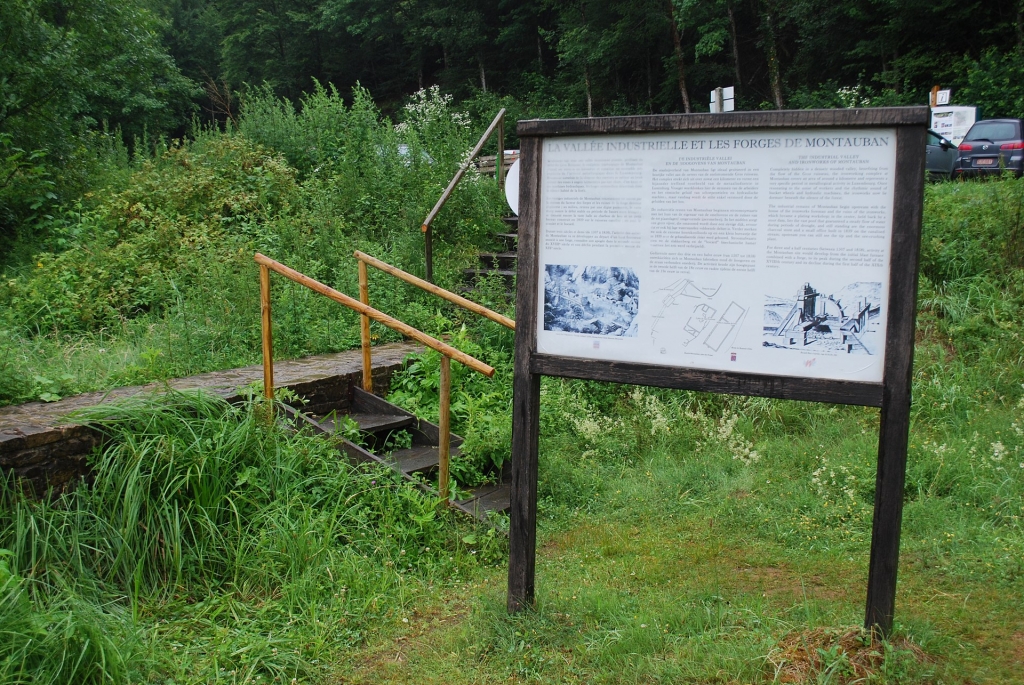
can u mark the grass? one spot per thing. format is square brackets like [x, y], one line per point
[678, 563]
[212, 548]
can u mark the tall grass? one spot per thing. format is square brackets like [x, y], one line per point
[195, 504]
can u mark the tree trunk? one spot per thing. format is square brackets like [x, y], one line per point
[483, 76]
[896, 70]
[540, 53]
[677, 42]
[650, 86]
[1020, 26]
[590, 100]
[735, 46]
[774, 75]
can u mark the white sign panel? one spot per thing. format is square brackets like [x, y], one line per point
[762, 252]
[942, 97]
[953, 122]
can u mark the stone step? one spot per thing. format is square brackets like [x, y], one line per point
[423, 459]
[475, 274]
[486, 498]
[499, 260]
[370, 423]
[508, 241]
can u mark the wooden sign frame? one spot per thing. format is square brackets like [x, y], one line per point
[892, 395]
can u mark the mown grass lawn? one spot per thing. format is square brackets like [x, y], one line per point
[659, 578]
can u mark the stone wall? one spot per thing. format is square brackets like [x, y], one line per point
[40, 446]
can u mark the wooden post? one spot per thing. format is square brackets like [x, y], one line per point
[894, 427]
[522, 536]
[933, 96]
[499, 168]
[428, 249]
[444, 428]
[364, 328]
[268, 342]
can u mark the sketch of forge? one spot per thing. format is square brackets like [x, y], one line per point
[729, 322]
[815, 318]
[684, 287]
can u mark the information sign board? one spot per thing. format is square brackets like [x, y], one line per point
[771, 254]
[756, 251]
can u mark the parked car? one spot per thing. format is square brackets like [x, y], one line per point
[940, 157]
[991, 147]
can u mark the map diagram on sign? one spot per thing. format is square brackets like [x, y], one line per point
[704, 320]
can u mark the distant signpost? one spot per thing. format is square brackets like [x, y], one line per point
[953, 121]
[766, 254]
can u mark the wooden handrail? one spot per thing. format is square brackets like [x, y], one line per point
[430, 288]
[381, 317]
[499, 123]
[367, 312]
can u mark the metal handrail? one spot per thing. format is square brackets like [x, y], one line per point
[499, 172]
[447, 351]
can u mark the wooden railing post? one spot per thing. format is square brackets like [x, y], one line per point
[498, 120]
[364, 328]
[268, 342]
[499, 168]
[444, 426]
[428, 250]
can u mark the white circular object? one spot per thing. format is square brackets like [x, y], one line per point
[512, 187]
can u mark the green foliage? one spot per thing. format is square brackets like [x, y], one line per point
[200, 202]
[481, 407]
[378, 180]
[153, 279]
[994, 83]
[68, 68]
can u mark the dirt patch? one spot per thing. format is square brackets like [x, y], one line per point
[782, 582]
[1018, 647]
[389, 658]
[846, 655]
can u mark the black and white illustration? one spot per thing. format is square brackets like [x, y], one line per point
[596, 300]
[846, 321]
[676, 297]
[705, 316]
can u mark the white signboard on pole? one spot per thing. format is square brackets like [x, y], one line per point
[953, 122]
[762, 252]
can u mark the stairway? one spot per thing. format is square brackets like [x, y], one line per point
[381, 425]
[502, 263]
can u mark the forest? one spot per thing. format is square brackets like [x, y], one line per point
[73, 71]
[149, 149]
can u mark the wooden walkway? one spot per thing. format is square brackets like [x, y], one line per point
[38, 445]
